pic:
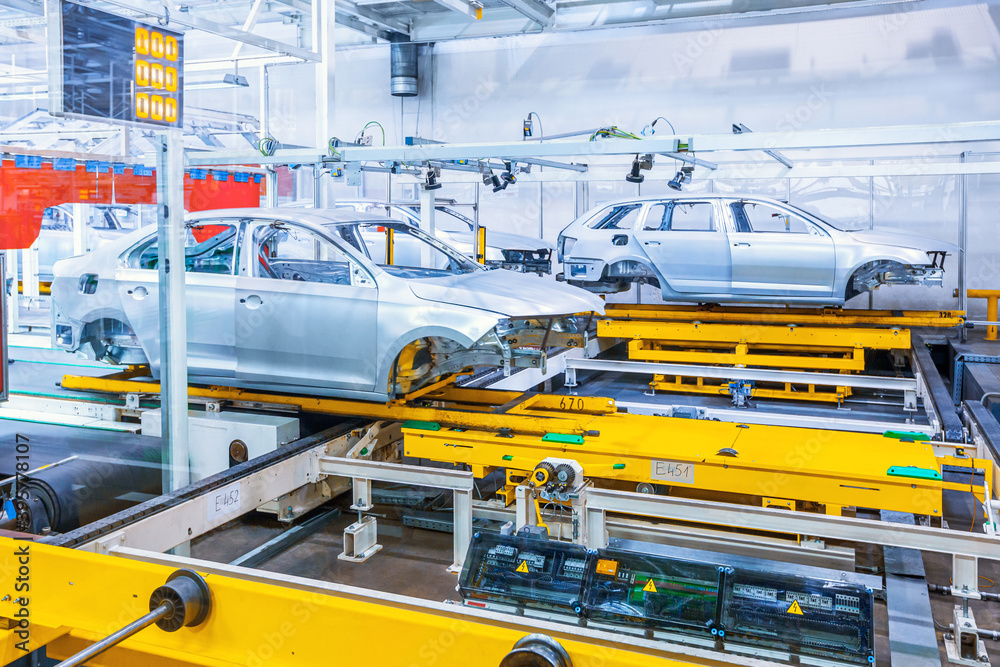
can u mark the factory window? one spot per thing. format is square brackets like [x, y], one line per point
[681, 217]
[621, 216]
[208, 248]
[770, 219]
[289, 252]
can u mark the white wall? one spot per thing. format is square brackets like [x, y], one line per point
[928, 63]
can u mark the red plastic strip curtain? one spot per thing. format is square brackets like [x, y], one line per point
[25, 193]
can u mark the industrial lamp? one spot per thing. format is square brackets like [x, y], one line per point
[508, 176]
[646, 162]
[431, 182]
[683, 176]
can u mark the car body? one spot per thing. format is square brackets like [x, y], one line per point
[283, 299]
[503, 250]
[104, 223]
[731, 248]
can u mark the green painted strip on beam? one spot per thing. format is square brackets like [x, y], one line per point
[563, 438]
[913, 472]
[422, 426]
[906, 435]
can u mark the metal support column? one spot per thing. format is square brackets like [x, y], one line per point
[475, 223]
[173, 314]
[80, 228]
[324, 15]
[462, 522]
[29, 272]
[427, 210]
[14, 300]
[963, 242]
[871, 224]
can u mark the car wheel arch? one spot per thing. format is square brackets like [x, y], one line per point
[392, 353]
[846, 290]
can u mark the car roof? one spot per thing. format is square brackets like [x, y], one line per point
[323, 216]
[679, 196]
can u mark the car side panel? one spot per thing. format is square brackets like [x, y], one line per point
[695, 262]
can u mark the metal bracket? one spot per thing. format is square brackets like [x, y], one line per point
[958, 378]
[360, 540]
[962, 644]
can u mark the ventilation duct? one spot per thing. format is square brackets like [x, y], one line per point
[404, 69]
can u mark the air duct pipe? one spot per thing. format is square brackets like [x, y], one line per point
[404, 69]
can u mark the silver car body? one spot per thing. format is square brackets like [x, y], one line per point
[716, 248]
[104, 223]
[346, 326]
[503, 250]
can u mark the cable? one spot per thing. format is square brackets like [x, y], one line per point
[541, 134]
[267, 146]
[369, 124]
[614, 132]
[653, 124]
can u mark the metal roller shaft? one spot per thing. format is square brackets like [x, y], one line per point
[110, 641]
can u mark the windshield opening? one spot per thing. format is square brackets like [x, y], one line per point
[839, 226]
[407, 252]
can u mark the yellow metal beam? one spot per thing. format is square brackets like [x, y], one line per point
[799, 316]
[74, 598]
[808, 393]
[545, 419]
[43, 287]
[991, 296]
[813, 336]
[644, 350]
[825, 467]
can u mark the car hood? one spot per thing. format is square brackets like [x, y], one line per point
[500, 240]
[508, 293]
[903, 241]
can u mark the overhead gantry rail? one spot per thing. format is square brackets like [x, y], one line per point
[669, 147]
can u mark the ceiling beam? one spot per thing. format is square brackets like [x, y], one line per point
[371, 16]
[34, 36]
[27, 6]
[298, 5]
[363, 28]
[249, 24]
[469, 7]
[537, 11]
[229, 32]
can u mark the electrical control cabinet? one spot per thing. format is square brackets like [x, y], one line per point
[802, 615]
[742, 604]
[652, 591]
[524, 571]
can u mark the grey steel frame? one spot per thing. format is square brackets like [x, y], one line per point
[363, 472]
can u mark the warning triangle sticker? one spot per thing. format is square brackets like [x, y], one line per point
[650, 587]
[794, 609]
[523, 568]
